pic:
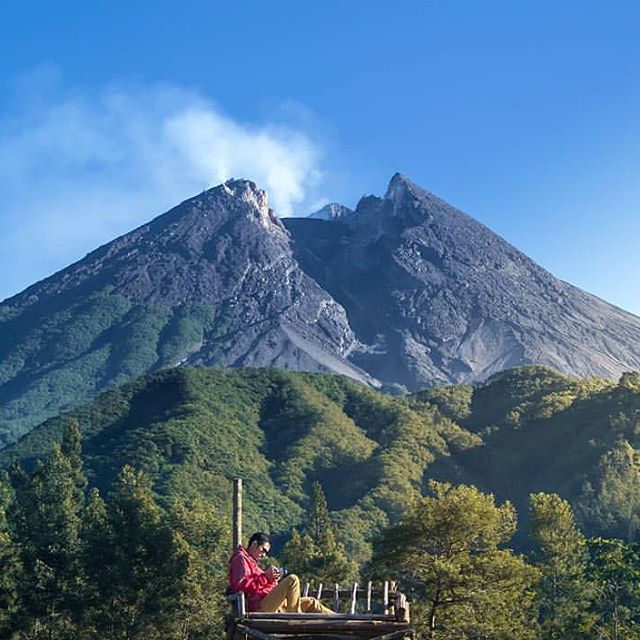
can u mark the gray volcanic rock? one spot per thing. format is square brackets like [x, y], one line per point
[405, 290]
[438, 297]
[213, 282]
[332, 211]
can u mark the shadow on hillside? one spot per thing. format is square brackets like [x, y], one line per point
[345, 486]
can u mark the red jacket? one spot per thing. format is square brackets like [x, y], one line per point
[245, 575]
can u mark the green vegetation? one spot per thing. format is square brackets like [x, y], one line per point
[540, 431]
[338, 464]
[614, 568]
[316, 554]
[75, 565]
[447, 550]
[564, 592]
[525, 431]
[192, 430]
[58, 354]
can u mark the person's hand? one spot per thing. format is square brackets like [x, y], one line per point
[273, 573]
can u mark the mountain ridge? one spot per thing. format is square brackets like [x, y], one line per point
[470, 287]
[401, 293]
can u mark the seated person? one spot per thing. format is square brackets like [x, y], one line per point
[264, 590]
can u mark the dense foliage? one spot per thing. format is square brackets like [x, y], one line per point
[452, 552]
[76, 565]
[315, 553]
[192, 430]
[525, 431]
[448, 550]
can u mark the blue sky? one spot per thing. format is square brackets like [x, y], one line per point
[526, 115]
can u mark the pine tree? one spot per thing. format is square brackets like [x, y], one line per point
[319, 525]
[202, 605]
[560, 553]
[615, 571]
[10, 567]
[98, 561]
[447, 550]
[45, 518]
[315, 554]
[146, 564]
[71, 449]
[297, 553]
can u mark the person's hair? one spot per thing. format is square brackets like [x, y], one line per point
[259, 538]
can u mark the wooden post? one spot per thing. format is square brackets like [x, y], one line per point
[237, 513]
[354, 595]
[305, 591]
[336, 598]
[369, 591]
[319, 594]
[385, 600]
[241, 606]
[392, 603]
[402, 608]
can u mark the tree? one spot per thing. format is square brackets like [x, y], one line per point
[611, 503]
[447, 550]
[143, 577]
[316, 554]
[202, 605]
[319, 527]
[615, 571]
[98, 551]
[565, 594]
[10, 568]
[45, 518]
[71, 449]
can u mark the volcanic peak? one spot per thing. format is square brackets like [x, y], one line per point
[241, 190]
[331, 211]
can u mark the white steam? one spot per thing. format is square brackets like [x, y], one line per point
[78, 170]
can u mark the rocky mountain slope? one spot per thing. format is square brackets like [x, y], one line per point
[212, 282]
[433, 295]
[405, 291]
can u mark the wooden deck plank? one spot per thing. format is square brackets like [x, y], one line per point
[326, 626]
[319, 616]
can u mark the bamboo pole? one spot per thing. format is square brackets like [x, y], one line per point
[402, 608]
[237, 512]
[392, 604]
[354, 596]
[241, 605]
[385, 600]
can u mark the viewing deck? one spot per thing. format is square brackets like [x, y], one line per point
[392, 622]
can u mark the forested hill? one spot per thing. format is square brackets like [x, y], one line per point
[526, 430]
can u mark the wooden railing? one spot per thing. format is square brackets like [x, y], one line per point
[384, 603]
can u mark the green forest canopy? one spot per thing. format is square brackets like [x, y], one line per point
[526, 430]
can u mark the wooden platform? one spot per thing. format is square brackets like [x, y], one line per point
[319, 626]
[393, 625]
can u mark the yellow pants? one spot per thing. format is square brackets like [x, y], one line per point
[285, 597]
